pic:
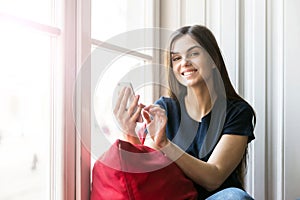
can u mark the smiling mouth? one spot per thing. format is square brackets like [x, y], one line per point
[188, 73]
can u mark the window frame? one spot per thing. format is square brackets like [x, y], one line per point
[71, 46]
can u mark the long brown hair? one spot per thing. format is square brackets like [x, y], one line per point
[206, 39]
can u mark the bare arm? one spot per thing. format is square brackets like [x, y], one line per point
[211, 174]
[224, 159]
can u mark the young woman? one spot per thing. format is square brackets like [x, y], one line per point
[204, 125]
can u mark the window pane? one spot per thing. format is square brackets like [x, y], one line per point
[36, 10]
[105, 80]
[110, 18]
[25, 115]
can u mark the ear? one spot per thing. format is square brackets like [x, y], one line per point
[214, 66]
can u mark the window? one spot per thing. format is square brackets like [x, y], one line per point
[28, 98]
[110, 23]
[43, 44]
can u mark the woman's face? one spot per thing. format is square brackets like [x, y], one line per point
[191, 63]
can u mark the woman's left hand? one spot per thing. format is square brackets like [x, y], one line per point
[156, 121]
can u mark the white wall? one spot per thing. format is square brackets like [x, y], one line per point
[283, 42]
[291, 100]
[259, 42]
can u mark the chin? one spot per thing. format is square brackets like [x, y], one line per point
[193, 83]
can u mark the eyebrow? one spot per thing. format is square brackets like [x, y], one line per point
[189, 49]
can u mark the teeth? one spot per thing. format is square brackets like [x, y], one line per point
[188, 73]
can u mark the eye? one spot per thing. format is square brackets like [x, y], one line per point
[193, 54]
[176, 58]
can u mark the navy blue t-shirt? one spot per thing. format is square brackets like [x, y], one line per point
[200, 138]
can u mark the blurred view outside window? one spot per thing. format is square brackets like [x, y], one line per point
[28, 49]
[25, 99]
[107, 22]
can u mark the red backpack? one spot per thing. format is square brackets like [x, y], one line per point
[137, 172]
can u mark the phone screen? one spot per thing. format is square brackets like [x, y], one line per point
[120, 86]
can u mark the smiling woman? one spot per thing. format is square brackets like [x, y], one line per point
[207, 125]
[43, 44]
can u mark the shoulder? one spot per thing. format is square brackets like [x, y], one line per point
[170, 105]
[237, 107]
[166, 102]
[240, 119]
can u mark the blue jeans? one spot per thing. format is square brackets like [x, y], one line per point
[230, 194]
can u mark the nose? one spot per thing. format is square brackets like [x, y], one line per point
[185, 62]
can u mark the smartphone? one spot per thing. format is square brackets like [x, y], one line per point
[120, 86]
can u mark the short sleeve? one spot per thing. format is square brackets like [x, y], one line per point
[173, 113]
[161, 102]
[240, 120]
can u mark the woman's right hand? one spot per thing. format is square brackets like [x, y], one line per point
[156, 121]
[127, 117]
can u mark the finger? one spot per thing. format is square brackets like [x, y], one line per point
[157, 110]
[142, 105]
[152, 106]
[140, 119]
[146, 116]
[155, 106]
[124, 100]
[119, 100]
[134, 104]
[136, 115]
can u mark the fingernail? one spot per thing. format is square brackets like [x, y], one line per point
[142, 105]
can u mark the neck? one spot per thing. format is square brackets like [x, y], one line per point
[199, 101]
